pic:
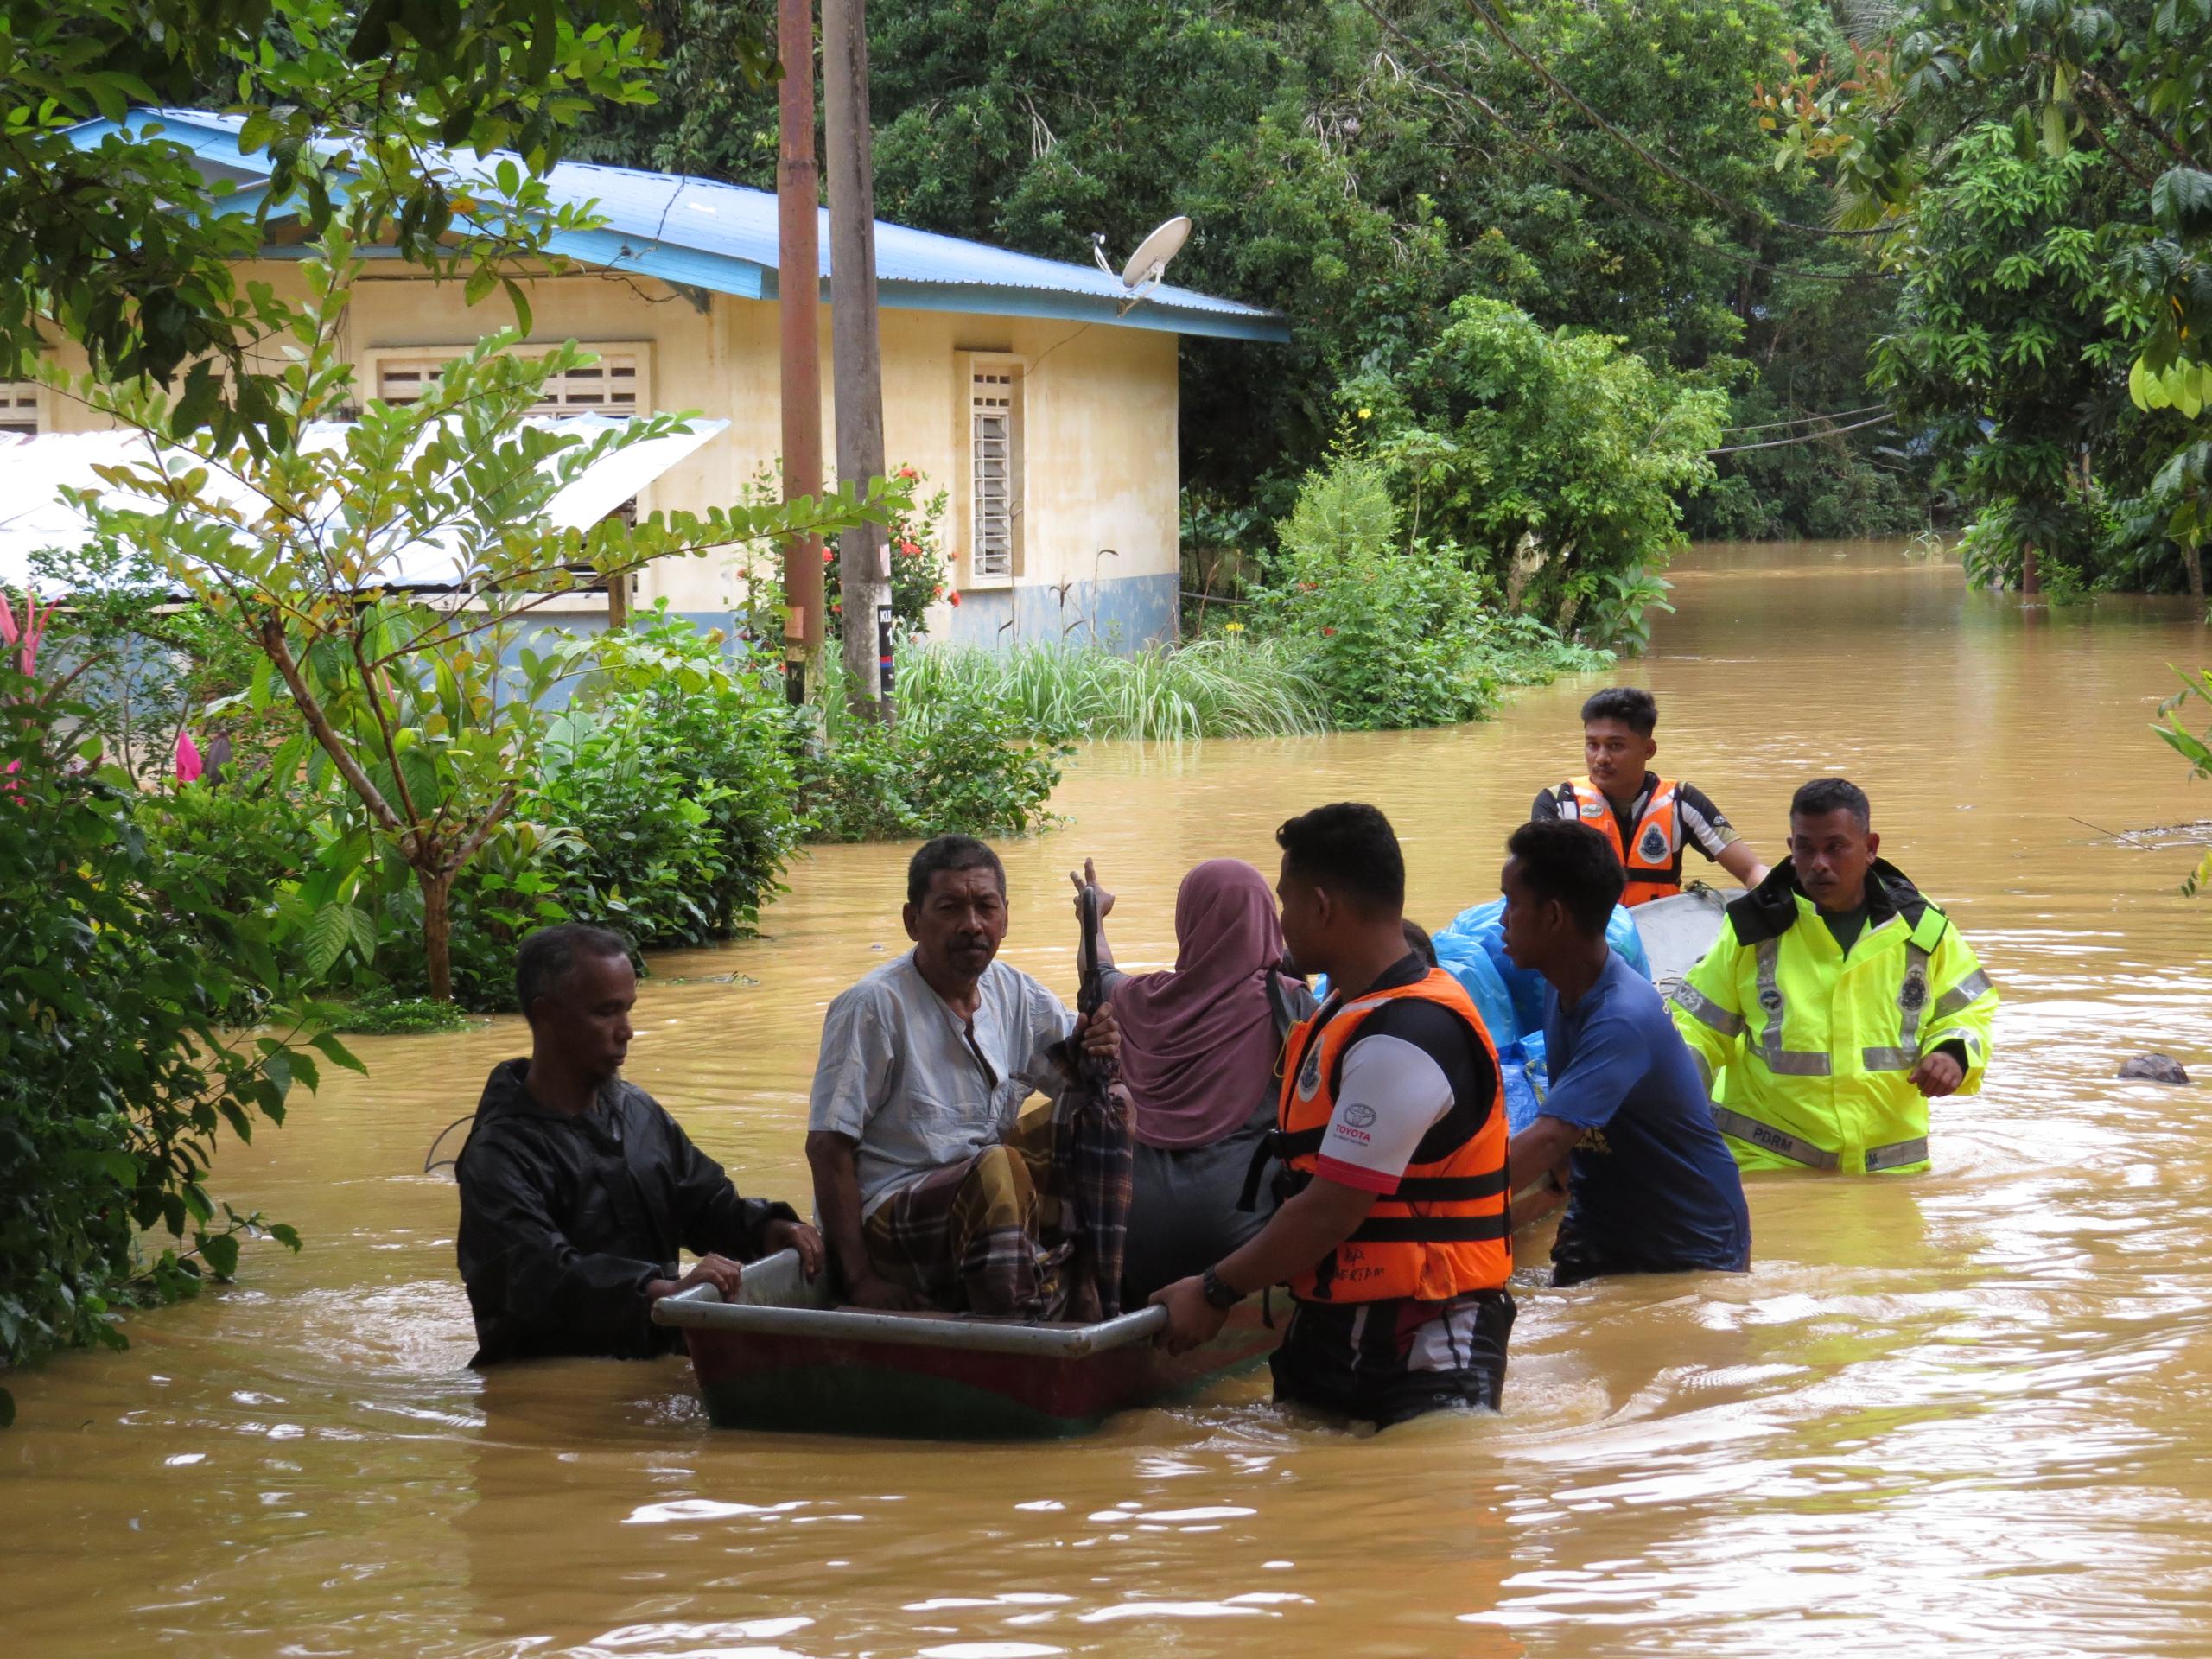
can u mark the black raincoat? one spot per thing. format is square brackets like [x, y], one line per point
[564, 1220]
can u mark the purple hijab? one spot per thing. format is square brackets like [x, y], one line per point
[1198, 1044]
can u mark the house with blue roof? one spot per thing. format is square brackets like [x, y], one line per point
[1033, 392]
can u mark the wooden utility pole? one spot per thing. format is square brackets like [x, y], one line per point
[864, 558]
[799, 296]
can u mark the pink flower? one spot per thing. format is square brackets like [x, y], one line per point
[953, 600]
[912, 549]
[906, 472]
[188, 758]
[1328, 633]
[826, 556]
[28, 636]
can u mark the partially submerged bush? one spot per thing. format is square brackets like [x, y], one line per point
[117, 1074]
[1394, 635]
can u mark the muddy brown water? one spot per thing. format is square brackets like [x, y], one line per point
[1969, 1412]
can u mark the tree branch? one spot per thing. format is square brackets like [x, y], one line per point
[279, 651]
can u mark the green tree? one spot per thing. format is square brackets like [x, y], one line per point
[1343, 169]
[432, 714]
[127, 245]
[1555, 459]
[2128, 87]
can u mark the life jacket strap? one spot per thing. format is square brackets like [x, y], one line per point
[1432, 1229]
[1448, 1189]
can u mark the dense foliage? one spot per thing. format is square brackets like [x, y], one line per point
[121, 966]
[2043, 170]
[1361, 175]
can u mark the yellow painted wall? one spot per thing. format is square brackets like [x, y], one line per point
[1099, 408]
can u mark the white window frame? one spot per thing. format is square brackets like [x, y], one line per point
[22, 408]
[989, 386]
[376, 364]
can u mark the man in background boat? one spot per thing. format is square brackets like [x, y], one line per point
[934, 1189]
[1648, 1182]
[1838, 999]
[1649, 821]
[1391, 1232]
[577, 1190]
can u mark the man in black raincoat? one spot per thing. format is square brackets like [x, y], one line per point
[577, 1190]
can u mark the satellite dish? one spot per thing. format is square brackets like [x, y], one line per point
[1149, 262]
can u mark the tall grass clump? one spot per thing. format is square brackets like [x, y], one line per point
[1224, 687]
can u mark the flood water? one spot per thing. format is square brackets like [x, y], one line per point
[1968, 1412]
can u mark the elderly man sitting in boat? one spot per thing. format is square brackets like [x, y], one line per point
[932, 1188]
[577, 1190]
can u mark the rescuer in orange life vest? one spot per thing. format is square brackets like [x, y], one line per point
[1651, 821]
[1391, 1229]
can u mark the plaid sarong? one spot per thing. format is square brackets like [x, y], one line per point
[1010, 1231]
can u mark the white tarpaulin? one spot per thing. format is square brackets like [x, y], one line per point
[34, 471]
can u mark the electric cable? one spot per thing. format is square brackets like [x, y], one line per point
[1802, 438]
[1804, 420]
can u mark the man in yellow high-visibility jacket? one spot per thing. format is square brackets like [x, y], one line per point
[1840, 1001]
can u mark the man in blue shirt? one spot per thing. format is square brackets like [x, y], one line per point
[1651, 1186]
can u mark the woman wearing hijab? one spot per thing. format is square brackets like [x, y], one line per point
[1200, 1049]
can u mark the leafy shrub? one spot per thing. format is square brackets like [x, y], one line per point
[958, 764]
[1393, 637]
[917, 562]
[116, 1074]
[669, 790]
[402, 1016]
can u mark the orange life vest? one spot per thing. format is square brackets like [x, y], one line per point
[1653, 857]
[1445, 1230]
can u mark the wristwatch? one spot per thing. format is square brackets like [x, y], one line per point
[1217, 1294]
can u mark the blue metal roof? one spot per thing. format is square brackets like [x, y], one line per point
[722, 236]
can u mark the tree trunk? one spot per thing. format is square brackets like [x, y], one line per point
[2030, 570]
[863, 563]
[2192, 561]
[437, 932]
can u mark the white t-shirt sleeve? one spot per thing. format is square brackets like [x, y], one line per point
[1392, 1093]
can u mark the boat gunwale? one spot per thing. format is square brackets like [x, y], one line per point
[700, 1308]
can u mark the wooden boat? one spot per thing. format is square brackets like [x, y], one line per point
[785, 1356]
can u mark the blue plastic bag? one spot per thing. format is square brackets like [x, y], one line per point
[1483, 986]
[1480, 932]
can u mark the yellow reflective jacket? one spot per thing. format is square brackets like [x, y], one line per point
[1818, 1048]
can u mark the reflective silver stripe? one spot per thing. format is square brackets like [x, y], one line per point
[1897, 1154]
[1704, 1068]
[1791, 1062]
[1888, 1060]
[1964, 994]
[1796, 1063]
[1706, 1012]
[1771, 1139]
